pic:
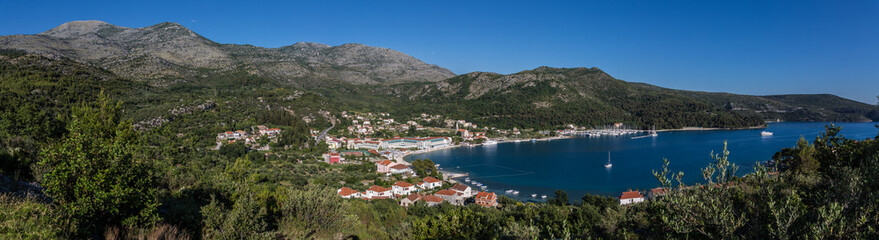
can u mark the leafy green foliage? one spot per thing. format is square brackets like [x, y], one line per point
[97, 173]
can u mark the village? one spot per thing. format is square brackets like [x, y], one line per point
[375, 138]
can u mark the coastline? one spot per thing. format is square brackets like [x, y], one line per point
[400, 159]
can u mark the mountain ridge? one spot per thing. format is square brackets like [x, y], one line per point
[168, 53]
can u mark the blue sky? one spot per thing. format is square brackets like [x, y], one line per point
[746, 47]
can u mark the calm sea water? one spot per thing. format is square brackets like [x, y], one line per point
[577, 165]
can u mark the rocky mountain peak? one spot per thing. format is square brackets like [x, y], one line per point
[80, 28]
[168, 53]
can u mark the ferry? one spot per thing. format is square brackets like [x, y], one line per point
[765, 133]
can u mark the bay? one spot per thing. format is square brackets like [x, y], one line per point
[576, 165]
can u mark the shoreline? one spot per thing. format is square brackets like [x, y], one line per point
[400, 159]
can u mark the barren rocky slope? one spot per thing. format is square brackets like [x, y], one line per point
[168, 53]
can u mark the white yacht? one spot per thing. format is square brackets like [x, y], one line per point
[608, 164]
[765, 133]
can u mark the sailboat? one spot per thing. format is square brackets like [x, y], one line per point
[608, 164]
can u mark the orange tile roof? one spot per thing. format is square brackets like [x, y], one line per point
[446, 192]
[347, 191]
[486, 196]
[413, 197]
[377, 188]
[385, 162]
[630, 195]
[432, 198]
[431, 180]
[403, 184]
[459, 187]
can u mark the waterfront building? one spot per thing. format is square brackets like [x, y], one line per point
[631, 197]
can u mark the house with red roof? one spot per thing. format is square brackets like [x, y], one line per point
[403, 188]
[450, 196]
[384, 166]
[464, 190]
[377, 192]
[430, 183]
[631, 197]
[486, 199]
[410, 200]
[348, 193]
[432, 200]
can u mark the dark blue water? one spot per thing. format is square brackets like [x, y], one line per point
[577, 165]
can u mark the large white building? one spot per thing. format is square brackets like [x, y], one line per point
[419, 143]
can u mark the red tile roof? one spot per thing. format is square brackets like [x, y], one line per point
[385, 162]
[432, 198]
[486, 196]
[431, 180]
[403, 184]
[413, 197]
[446, 192]
[347, 191]
[630, 195]
[459, 187]
[377, 188]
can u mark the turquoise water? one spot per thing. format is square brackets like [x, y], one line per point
[577, 165]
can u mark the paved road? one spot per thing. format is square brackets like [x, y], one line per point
[323, 134]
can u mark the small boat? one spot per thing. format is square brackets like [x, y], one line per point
[467, 180]
[509, 191]
[515, 192]
[608, 164]
[483, 187]
[533, 140]
[517, 140]
[543, 196]
[765, 133]
[489, 142]
[534, 195]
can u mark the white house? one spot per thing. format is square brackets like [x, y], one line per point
[464, 190]
[410, 200]
[348, 193]
[378, 192]
[403, 188]
[631, 197]
[431, 183]
[384, 166]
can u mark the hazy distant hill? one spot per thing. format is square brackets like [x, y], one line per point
[181, 64]
[167, 53]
